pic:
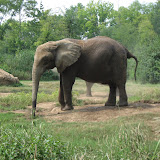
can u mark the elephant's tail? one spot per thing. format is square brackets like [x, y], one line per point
[130, 55]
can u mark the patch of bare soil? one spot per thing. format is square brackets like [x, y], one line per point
[96, 112]
[93, 113]
[4, 94]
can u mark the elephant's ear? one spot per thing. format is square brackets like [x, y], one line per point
[67, 54]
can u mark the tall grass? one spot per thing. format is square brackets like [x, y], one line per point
[21, 100]
[124, 142]
[22, 139]
[121, 138]
[147, 95]
[20, 142]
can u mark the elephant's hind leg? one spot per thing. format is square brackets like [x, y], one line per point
[112, 96]
[123, 99]
[88, 89]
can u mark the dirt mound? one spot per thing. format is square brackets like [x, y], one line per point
[7, 79]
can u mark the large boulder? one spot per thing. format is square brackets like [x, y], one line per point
[7, 79]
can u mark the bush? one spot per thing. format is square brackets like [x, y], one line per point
[131, 143]
[21, 142]
[21, 99]
[20, 65]
[149, 62]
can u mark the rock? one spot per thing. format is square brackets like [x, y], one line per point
[7, 79]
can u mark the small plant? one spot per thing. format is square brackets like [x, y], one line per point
[21, 100]
[15, 101]
[149, 96]
[132, 143]
[30, 143]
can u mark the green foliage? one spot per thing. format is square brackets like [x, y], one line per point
[155, 16]
[38, 139]
[52, 28]
[131, 143]
[21, 100]
[126, 137]
[22, 142]
[149, 65]
[20, 65]
[15, 101]
[8, 117]
[14, 35]
[148, 96]
[87, 21]
[137, 27]
[74, 17]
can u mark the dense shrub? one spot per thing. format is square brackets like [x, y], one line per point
[20, 65]
[21, 142]
[149, 62]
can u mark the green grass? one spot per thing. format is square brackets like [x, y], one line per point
[121, 138]
[21, 100]
[115, 139]
[21, 142]
[143, 92]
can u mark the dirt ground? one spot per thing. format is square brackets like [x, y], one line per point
[96, 112]
[92, 112]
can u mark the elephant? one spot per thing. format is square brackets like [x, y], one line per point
[88, 84]
[88, 89]
[96, 60]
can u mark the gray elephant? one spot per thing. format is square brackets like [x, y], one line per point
[88, 89]
[97, 60]
[88, 84]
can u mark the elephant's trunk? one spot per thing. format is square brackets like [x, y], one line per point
[36, 75]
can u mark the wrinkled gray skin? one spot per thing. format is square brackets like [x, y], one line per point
[88, 85]
[97, 60]
[88, 89]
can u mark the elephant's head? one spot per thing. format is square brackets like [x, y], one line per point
[59, 54]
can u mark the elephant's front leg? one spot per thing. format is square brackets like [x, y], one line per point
[68, 82]
[61, 94]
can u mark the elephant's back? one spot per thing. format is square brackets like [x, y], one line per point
[101, 58]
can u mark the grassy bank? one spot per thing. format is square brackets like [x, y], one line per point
[127, 137]
[20, 97]
[115, 139]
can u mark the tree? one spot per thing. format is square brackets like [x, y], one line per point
[75, 18]
[16, 30]
[155, 17]
[149, 52]
[53, 28]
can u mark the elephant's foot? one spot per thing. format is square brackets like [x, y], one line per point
[62, 103]
[66, 108]
[88, 95]
[122, 104]
[33, 113]
[110, 104]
